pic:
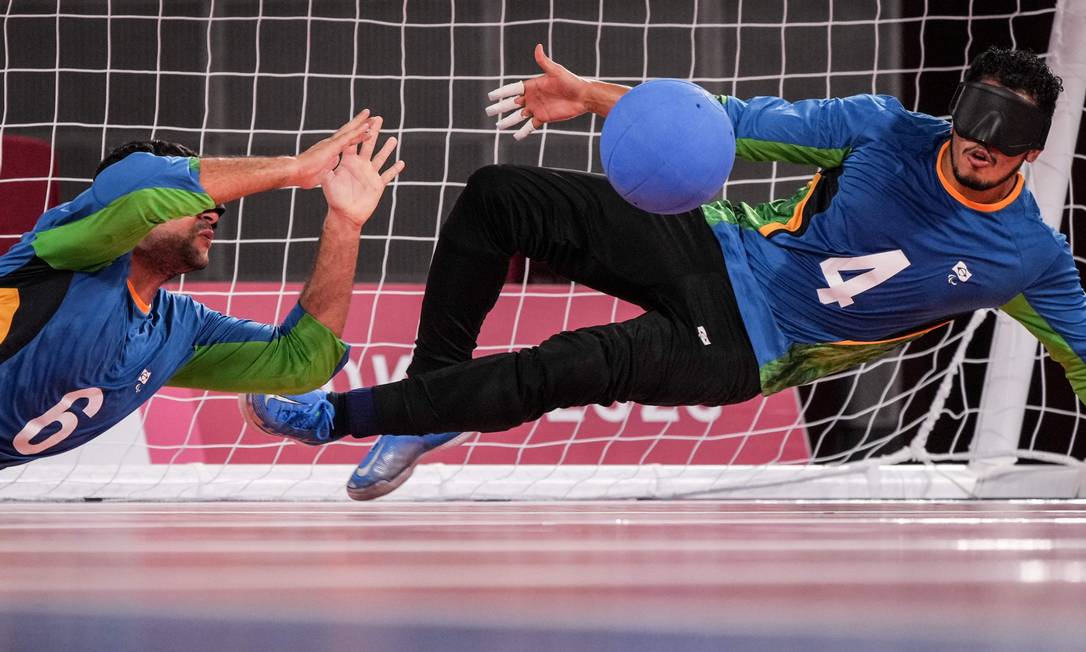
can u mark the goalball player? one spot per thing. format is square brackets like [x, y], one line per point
[86, 332]
[910, 221]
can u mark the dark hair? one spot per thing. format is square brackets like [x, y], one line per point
[156, 147]
[1018, 70]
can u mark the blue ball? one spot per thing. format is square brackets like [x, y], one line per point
[667, 146]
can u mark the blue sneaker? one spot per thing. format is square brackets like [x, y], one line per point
[392, 460]
[302, 417]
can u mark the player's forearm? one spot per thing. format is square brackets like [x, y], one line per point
[327, 293]
[227, 179]
[600, 97]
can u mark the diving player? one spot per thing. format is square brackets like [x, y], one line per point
[910, 221]
[86, 332]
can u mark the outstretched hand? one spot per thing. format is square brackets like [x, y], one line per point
[312, 166]
[556, 95]
[354, 187]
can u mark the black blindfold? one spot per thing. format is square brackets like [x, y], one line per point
[999, 118]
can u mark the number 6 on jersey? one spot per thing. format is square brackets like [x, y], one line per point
[61, 414]
[880, 266]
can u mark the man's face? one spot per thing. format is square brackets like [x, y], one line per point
[980, 167]
[180, 245]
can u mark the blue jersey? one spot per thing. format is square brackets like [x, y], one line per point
[78, 349]
[879, 248]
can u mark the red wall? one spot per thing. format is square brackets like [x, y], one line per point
[22, 202]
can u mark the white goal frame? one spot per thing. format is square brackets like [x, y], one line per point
[988, 470]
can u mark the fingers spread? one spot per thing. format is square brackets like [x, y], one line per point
[508, 104]
[368, 130]
[391, 173]
[348, 157]
[354, 129]
[368, 145]
[511, 97]
[513, 119]
[526, 130]
[357, 121]
[515, 88]
[382, 156]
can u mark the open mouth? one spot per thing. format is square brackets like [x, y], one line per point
[979, 157]
[207, 234]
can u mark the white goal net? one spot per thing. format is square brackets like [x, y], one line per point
[969, 410]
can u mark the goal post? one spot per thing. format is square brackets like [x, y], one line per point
[1010, 371]
[965, 411]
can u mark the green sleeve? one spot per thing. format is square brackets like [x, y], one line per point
[123, 210]
[820, 132]
[1057, 346]
[242, 356]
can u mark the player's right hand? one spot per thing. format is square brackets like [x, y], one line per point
[556, 95]
[354, 187]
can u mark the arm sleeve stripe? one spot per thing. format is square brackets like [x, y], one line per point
[1057, 346]
[300, 360]
[764, 150]
[796, 221]
[96, 240]
[775, 149]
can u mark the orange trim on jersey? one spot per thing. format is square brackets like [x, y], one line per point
[796, 221]
[9, 304]
[987, 208]
[893, 339]
[145, 307]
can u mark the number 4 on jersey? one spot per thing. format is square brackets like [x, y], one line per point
[880, 267]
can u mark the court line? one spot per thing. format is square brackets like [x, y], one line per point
[562, 545]
[661, 576]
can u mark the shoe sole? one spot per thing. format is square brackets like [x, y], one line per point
[386, 487]
[249, 414]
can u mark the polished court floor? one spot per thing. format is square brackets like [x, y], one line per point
[629, 576]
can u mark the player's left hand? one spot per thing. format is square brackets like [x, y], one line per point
[354, 187]
[311, 166]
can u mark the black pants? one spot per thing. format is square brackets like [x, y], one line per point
[670, 265]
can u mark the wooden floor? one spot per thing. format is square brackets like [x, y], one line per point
[540, 576]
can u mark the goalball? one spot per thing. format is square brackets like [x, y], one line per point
[667, 146]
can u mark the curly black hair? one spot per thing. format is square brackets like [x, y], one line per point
[156, 147]
[1018, 70]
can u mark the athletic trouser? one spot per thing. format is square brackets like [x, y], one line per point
[688, 348]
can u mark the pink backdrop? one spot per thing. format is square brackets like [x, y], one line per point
[182, 429]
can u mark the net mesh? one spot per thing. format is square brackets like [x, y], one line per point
[268, 78]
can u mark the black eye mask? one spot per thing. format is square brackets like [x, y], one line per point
[998, 118]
